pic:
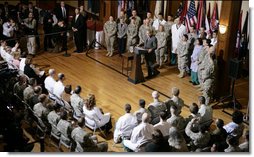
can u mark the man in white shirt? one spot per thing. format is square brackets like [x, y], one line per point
[205, 112]
[141, 134]
[178, 30]
[59, 86]
[125, 125]
[8, 31]
[159, 21]
[163, 125]
[50, 82]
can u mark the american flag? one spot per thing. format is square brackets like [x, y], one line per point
[191, 14]
[179, 10]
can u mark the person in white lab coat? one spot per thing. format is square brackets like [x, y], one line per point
[141, 135]
[49, 82]
[125, 125]
[178, 30]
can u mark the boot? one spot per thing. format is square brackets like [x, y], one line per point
[110, 54]
[181, 75]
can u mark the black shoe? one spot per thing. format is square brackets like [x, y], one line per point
[191, 82]
[194, 83]
[156, 73]
[148, 77]
[76, 51]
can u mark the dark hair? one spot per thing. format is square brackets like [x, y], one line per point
[160, 14]
[37, 89]
[42, 97]
[81, 122]
[163, 116]
[216, 31]
[157, 136]
[232, 140]
[202, 128]
[127, 108]
[78, 89]
[63, 115]
[186, 36]
[55, 106]
[170, 15]
[67, 89]
[200, 41]
[32, 81]
[237, 117]
[220, 123]
[142, 103]
[201, 99]
[90, 103]
[173, 106]
[194, 108]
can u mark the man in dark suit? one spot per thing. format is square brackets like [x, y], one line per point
[62, 12]
[77, 26]
[150, 45]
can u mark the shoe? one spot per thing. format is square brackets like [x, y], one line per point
[165, 60]
[107, 53]
[110, 54]
[148, 77]
[198, 86]
[156, 73]
[191, 82]
[75, 51]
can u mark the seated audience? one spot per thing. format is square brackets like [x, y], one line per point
[65, 128]
[85, 142]
[141, 110]
[199, 140]
[50, 82]
[194, 114]
[205, 111]
[177, 100]
[245, 145]
[176, 119]
[29, 91]
[125, 125]
[54, 118]
[176, 141]
[232, 142]
[94, 114]
[59, 86]
[156, 107]
[77, 102]
[35, 98]
[236, 127]
[219, 135]
[141, 134]
[163, 125]
[66, 96]
[20, 86]
[158, 144]
[41, 109]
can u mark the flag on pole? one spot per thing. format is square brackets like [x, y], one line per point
[214, 20]
[191, 14]
[200, 15]
[184, 12]
[121, 6]
[204, 14]
[207, 22]
[179, 10]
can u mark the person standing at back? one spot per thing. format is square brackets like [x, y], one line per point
[78, 29]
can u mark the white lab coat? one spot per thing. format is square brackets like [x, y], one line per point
[49, 83]
[141, 134]
[125, 125]
[97, 116]
[194, 58]
[177, 35]
[58, 89]
[163, 127]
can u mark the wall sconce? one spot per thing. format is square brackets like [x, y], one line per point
[222, 29]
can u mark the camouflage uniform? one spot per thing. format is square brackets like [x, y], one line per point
[167, 28]
[110, 35]
[132, 35]
[182, 56]
[162, 47]
[77, 103]
[65, 129]
[53, 119]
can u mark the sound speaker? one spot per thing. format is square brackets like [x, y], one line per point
[234, 68]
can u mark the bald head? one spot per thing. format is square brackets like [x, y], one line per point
[175, 91]
[155, 94]
[145, 118]
[51, 72]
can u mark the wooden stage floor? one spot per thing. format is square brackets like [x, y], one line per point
[102, 76]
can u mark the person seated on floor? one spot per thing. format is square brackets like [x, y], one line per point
[141, 135]
[236, 127]
[201, 139]
[176, 120]
[163, 125]
[54, 118]
[77, 102]
[125, 125]
[176, 141]
[59, 86]
[245, 145]
[141, 110]
[42, 108]
[156, 107]
[158, 144]
[29, 91]
[219, 135]
[194, 114]
[35, 98]
[65, 128]
[232, 142]
[86, 142]
[20, 86]
[205, 111]
[94, 115]
[50, 82]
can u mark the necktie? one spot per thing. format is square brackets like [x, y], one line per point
[63, 10]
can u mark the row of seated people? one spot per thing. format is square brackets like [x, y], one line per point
[149, 129]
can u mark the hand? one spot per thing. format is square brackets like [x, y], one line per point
[150, 50]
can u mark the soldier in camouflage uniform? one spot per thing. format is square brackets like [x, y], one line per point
[182, 55]
[135, 16]
[65, 128]
[149, 17]
[110, 35]
[85, 142]
[162, 45]
[54, 118]
[167, 28]
[132, 34]
[208, 75]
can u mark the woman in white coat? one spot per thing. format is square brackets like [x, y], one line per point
[94, 116]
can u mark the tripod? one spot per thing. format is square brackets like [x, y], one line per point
[94, 42]
[234, 103]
